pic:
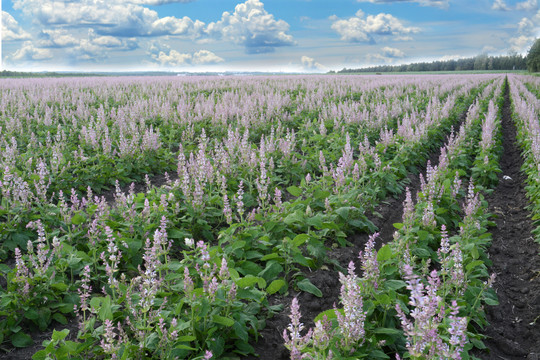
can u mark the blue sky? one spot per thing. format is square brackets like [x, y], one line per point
[257, 35]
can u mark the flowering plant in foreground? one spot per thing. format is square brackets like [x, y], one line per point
[339, 333]
[35, 289]
[151, 317]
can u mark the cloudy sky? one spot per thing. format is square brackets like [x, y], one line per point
[257, 35]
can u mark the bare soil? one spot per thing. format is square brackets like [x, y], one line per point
[514, 330]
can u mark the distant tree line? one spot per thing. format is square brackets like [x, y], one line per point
[481, 62]
[21, 74]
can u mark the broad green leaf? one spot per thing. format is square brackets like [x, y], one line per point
[294, 191]
[300, 239]
[473, 264]
[77, 219]
[377, 354]
[40, 355]
[241, 331]
[271, 256]
[387, 331]
[184, 347]
[21, 340]
[60, 318]
[60, 335]
[275, 286]
[307, 286]
[422, 235]
[384, 253]
[59, 286]
[31, 314]
[343, 212]
[478, 343]
[316, 221]
[247, 281]
[186, 338]
[223, 320]
[271, 271]
[330, 314]
[491, 302]
[394, 284]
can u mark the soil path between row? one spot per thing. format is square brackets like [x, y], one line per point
[514, 330]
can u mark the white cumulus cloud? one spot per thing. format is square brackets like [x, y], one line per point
[500, 5]
[436, 3]
[528, 29]
[251, 26]
[528, 5]
[175, 58]
[28, 52]
[363, 29]
[392, 52]
[309, 64]
[56, 38]
[114, 17]
[11, 31]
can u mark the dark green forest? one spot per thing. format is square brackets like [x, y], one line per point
[482, 62]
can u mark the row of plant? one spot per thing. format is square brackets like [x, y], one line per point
[90, 134]
[139, 283]
[422, 295]
[35, 172]
[526, 109]
[281, 161]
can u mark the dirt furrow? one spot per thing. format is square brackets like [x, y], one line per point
[514, 330]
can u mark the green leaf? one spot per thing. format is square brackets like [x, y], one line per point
[178, 234]
[307, 286]
[330, 314]
[31, 314]
[186, 338]
[384, 253]
[394, 284]
[59, 286]
[387, 331]
[275, 286]
[294, 191]
[378, 354]
[238, 244]
[316, 221]
[295, 217]
[247, 281]
[491, 302]
[184, 347]
[300, 239]
[478, 343]
[241, 331]
[271, 271]
[40, 355]
[398, 226]
[270, 256]
[21, 340]
[60, 335]
[104, 306]
[321, 194]
[223, 320]
[77, 219]
[473, 264]
[422, 235]
[60, 318]
[343, 212]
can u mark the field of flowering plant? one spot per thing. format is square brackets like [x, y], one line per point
[155, 217]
